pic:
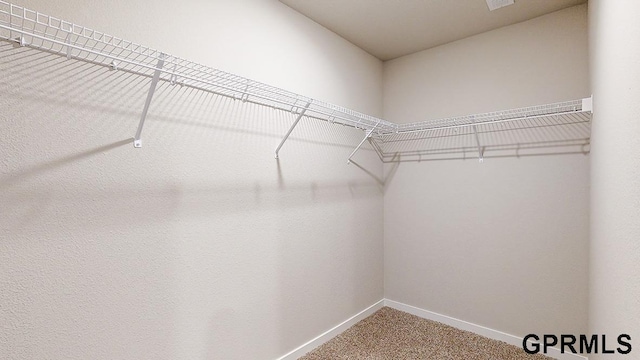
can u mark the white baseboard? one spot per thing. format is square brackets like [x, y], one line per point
[477, 329]
[331, 333]
[425, 314]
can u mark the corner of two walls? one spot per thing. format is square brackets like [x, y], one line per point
[503, 244]
[200, 244]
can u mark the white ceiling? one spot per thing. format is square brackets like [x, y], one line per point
[388, 29]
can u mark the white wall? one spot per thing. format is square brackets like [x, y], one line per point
[199, 245]
[502, 244]
[615, 170]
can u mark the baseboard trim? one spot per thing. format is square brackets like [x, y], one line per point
[477, 329]
[333, 332]
[425, 314]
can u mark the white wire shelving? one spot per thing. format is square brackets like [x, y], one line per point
[391, 141]
[563, 127]
[43, 32]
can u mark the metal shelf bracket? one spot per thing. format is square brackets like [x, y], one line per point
[292, 127]
[68, 42]
[480, 148]
[366, 137]
[245, 94]
[20, 41]
[174, 78]
[137, 141]
[417, 140]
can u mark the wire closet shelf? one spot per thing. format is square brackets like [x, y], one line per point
[35, 30]
[562, 127]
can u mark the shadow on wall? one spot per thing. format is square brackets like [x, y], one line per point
[389, 174]
[182, 116]
[201, 234]
[50, 94]
[197, 201]
[52, 79]
[24, 174]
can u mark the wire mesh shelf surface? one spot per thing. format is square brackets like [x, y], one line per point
[30, 28]
[35, 30]
[553, 128]
[567, 107]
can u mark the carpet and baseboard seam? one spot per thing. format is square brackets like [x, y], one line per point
[476, 329]
[333, 332]
[421, 313]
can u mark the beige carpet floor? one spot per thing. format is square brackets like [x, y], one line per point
[390, 334]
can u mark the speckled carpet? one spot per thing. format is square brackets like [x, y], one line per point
[390, 334]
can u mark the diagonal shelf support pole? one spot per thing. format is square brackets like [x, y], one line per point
[480, 148]
[137, 141]
[366, 137]
[68, 42]
[292, 127]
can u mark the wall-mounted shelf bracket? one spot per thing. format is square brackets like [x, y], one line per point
[292, 127]
[20, 41]
[480, 148]
[137, 141]
[564, 124]
[366, 137]
[245, 94]
[67, 41]
[174, 78]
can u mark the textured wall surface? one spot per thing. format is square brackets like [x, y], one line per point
[199, 245]
[502, 244]
[614, 300]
